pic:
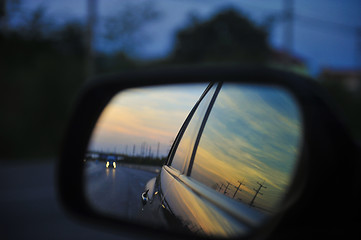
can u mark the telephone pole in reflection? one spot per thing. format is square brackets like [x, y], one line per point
[150, 151]
[237, 188]
[225, 190]
[220, 188]
[261, 185]
[158, 150]
[142, 147]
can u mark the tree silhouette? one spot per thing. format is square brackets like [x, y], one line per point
[228, 36]
[42, 67]
[124, 29]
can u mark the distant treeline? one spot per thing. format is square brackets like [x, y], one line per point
[40, 76]
[42, 67]
[138, 160]
[144, 160]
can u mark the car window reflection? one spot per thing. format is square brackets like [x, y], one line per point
[250, 145]
[185, 147]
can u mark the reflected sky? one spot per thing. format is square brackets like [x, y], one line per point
[149, 115]
[252, 138]
[185, 146]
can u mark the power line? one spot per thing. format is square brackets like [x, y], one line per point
[321, 23]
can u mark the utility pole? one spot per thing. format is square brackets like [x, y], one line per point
[91, 21]
[220, 188]
[240, 184]
[288, 18]
[158, 150]
[133, 150]
[225, 190]
[261, 185]
[358, 48]
[142, 149]
[146, 150]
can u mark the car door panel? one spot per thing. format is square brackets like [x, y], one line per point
[199, 215]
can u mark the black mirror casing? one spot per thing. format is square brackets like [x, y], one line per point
[330, 158]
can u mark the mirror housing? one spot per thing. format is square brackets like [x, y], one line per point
[328, 153]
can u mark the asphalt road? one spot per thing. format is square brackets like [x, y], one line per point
[116, 191]
[30, 209]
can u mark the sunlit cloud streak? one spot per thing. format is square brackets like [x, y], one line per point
[150, 115]
[253, 134]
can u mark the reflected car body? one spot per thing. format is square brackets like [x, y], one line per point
[213, 184]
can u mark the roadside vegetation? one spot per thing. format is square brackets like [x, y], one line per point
[43, 65]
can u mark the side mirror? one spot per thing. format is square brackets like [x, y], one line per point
[252, 147]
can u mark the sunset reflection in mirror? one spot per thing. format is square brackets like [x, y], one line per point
[134, 133]
[250, 145]
[149, 116]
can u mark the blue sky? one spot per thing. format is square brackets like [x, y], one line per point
[324, 30]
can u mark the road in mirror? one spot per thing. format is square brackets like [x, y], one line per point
[130, 142]
[244, 143]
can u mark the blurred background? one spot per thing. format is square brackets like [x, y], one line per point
[50, 48]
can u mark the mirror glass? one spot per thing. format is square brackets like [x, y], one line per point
[209, 159]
